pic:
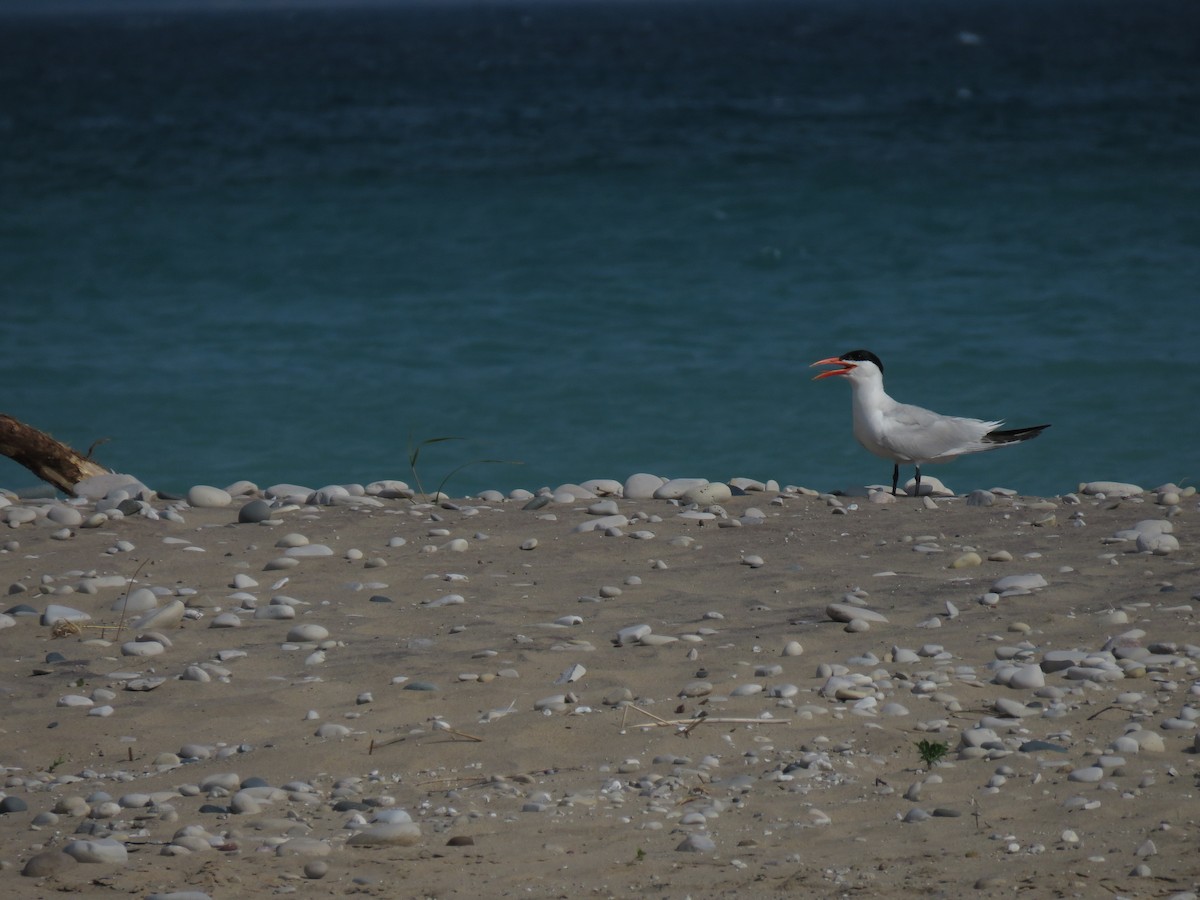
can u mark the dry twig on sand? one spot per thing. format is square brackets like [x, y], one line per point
[686, 726]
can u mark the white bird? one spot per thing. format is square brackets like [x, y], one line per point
[911, 434]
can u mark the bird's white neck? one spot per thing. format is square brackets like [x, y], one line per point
[868, 395]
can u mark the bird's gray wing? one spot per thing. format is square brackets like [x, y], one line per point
[916, 433]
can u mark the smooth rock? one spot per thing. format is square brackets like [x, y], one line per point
[1116, 489]
[12, 804]
[316, 869]
[101, 850]
[1158, 544]
[204, 496]
[632, 633]
[64, 515]
[1018, 584]
[844, 612]
[677, 487]
[100, 486]
[137, 601]
[705, 494]
[54, 612]
[303, 846]
[307, 551]
[47, 863]
[254, 512]
[601, 523]
[641, 486]
[697, 843]
[398, 834]
[307, 633]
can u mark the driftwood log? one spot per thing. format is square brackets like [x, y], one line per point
[50, 460]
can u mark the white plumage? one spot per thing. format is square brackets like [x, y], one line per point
[911, 434]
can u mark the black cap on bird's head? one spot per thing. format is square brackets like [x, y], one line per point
[847, 361]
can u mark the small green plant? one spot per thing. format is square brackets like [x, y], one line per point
[641, 854]
[58, 761]
[932, 752]
[414, 453]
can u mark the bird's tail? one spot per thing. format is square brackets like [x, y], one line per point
[1013, 435]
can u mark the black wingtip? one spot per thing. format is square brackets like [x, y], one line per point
[1013, 435]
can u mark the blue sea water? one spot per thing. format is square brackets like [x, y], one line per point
[289, 242]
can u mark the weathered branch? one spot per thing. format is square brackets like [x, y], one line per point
[50, 460]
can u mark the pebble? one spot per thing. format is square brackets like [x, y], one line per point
[397, 834]
[631, 634]
[48, 863]
[255, 511]
[641, 486]
[705, 494]
[1157, 544]
[316, 869]
[697, 843]
[1011, 585]
[100, 850]
[675, 488]
[203, 496]
[65, 515]
[1112, 489]
[55, 612]
[139, 600]
[307, 633]
[842, 612]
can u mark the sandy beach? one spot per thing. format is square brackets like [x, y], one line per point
[583, 693]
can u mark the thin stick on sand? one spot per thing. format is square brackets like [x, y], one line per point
[438, 725]
[385, 742]
[443, 725]
[685, 726]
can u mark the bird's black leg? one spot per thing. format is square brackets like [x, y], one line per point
[895, 477]
[917, 489]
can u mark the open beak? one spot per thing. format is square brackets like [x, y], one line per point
[846, 367]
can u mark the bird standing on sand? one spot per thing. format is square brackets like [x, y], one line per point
[911, 434]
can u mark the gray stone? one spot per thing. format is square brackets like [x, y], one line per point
[51, 862]
[100, 486]
[307, 633]
[54, 612]
[100, 850]
[697, 843]
[204, 496]
[677, 487]
[255, 511]
[1018, 584]
[641, 486]
[139, 600]
[1115, 489]
[65, 515]
[844, 612]
[395, 834]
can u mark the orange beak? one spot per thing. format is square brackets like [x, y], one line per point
[846, 367]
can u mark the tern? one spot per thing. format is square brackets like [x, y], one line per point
[911, 434]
